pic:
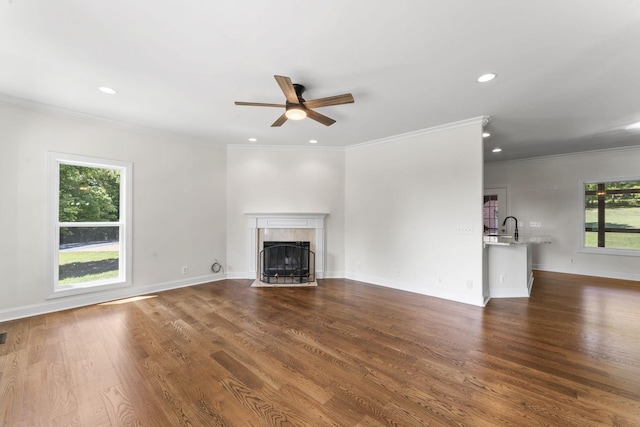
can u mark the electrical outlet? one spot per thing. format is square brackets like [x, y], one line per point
[520, 223]
[469, 284]
[535, 224]
[465, 230]
[440, 279]
[185, 269]
[503, 278]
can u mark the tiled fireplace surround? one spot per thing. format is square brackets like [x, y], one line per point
[285, 227]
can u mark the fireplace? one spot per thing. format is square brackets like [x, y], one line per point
[287, 263]
[285, 228]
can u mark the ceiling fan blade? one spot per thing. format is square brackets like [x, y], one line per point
[280, 121]
[327, 121]
[345, 98]
[259, 104]
[287, 89]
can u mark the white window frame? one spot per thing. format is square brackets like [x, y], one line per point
[124, 278]
[583, 219]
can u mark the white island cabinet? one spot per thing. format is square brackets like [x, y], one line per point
[509, 263]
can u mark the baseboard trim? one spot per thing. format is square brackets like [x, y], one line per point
[239, 275]
[76, 301]
[465, 298]
[510, 293]
[588, 272]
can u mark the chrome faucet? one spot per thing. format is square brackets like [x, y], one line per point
[515, 233]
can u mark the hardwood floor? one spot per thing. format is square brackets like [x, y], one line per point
[344, 353]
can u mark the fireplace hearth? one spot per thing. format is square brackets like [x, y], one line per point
[287, 263]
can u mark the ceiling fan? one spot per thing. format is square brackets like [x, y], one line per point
[296, 108]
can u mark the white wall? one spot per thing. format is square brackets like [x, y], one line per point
[179, 212]
[405, 201]
[275, 180]
[547, 190]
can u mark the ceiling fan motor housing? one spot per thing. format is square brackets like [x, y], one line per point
[299, 91]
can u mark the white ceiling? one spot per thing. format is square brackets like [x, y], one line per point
[568, 70]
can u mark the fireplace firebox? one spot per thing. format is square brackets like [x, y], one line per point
[287, 262]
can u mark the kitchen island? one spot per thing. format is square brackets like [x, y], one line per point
[509, 264]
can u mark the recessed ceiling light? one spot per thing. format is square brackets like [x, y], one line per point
[486, 134]
[107, 90]
[313, 141]
[486, 77]
[496, 150]
[252, 139]
[633, 126]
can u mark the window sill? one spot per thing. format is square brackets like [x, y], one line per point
[87, 289]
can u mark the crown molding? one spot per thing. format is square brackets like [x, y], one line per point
[565, 155]
[282, 147]
[52, 109]
[30, 105]
[480, 120]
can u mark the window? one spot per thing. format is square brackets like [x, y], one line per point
[490, 213]
[612, 216]
[90, 217]
[494, 208]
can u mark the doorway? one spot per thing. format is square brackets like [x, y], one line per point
[495, 208]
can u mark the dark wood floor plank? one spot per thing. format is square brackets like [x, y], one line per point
[343, 353]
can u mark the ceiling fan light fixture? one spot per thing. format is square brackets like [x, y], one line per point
[295, 113]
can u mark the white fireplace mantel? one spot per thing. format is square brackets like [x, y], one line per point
[258, 221]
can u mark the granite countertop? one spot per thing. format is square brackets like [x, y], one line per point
[506, 240]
